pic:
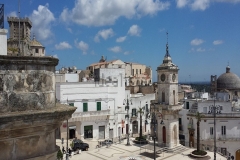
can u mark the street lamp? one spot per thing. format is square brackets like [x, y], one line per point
[126, 101]
[154, 122]
[215, 109]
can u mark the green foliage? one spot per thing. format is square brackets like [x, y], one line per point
[59, 155]
[143, 138]
[200, 152]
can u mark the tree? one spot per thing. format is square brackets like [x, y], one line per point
[59, 155]
[199, 117]
[141, 112]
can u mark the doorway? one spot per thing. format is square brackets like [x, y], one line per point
[88, 131]
[101, 133]
[72, 132]
[164, 134]
[135, 127]
[238, 154]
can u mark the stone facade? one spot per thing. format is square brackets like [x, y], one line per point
[29, 114]
[167, 103]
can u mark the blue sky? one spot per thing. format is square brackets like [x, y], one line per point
[204, 35]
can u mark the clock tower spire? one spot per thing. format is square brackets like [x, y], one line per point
[168, 101]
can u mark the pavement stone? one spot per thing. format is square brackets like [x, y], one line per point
[119, 151]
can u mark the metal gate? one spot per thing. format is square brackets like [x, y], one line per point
[110, 133]
[101, 134]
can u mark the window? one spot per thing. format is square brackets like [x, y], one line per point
[223, 130]
[211, 130]
[134, 112]
[187, 105]
[98, 106]
[204, 109]
[140, 71]
[71, 104]
[136, 71]
[36, 50]
[85, 107]
[133, 72]
[163, 97]
[147, 108]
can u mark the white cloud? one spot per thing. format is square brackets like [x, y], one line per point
[105, 12]
[82, 46]
[200, 4]
[13, 14]
[41, 22]
[55, 56]
[182, 3]
[134, 30]
[126, 53]
[105, 34]
[151, 7]
[229, 1]
[200, 49]
[196, 42]
[69, 30]
[115, 49]
[121, 39]
[217, 42]
[63, 45]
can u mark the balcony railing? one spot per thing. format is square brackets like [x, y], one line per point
[91, 113]
[90, 116]
[225, 137]
[190, 126]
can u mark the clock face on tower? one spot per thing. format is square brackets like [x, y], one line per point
[173, 77]
[163, 77]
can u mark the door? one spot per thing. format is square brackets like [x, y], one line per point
[110, 133]
[127, 129]
[135, 127]
[164, 134]
[88, 131]
[238, 154]
[71, 133]
[101, 133]
[119, 131]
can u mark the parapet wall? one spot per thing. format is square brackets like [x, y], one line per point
[27, 83]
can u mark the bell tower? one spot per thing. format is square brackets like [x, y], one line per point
[167, 72]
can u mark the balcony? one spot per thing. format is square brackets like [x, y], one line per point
[225, 137]
[190, 126]
[90, 116]
[172, 107]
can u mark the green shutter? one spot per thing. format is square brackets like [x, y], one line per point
[98, 106]
[85, 107]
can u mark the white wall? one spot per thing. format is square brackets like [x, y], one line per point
[3, 41]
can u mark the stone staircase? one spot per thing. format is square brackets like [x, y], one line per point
[177, 149]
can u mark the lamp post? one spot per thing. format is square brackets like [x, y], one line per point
[215, 109]
[154, 122]
[127, 108]
[67, 142]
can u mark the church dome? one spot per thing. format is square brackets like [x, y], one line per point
[228, 80]
[34, 42]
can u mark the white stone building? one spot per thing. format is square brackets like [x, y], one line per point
[100, 111]
[227, 124]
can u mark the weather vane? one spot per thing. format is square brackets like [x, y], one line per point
[167, 36]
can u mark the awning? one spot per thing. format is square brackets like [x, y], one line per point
[72, 127]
